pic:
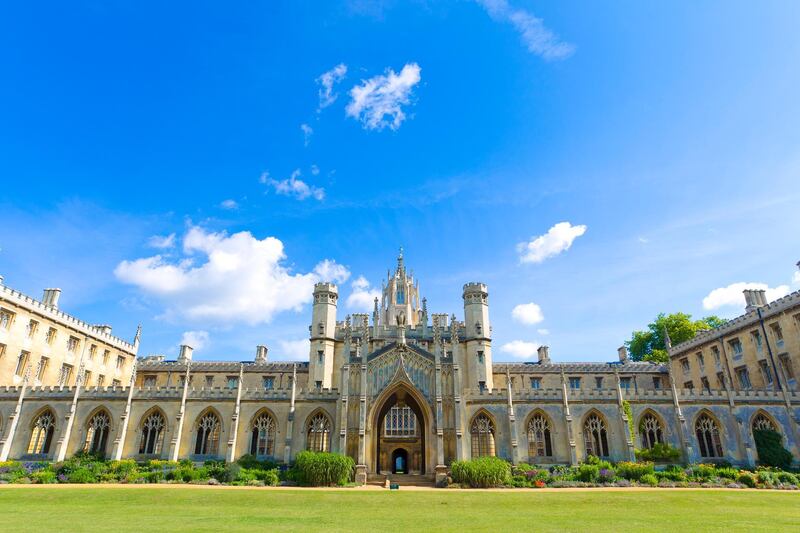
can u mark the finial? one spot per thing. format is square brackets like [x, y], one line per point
[667, 340]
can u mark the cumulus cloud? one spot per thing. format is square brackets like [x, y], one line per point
[539, 39]
[229, 204]
[328, 270]
[520, 349]
[196, 339]
[558, 239]
[307, 132]
[362, 298]
[326, 82]
[293, 350]
[314, 170]
[528, 314]
[377, 102]
[222, 279]
[732, 296]
[293, 186]
[163, 242]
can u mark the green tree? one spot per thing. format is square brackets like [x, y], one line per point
[650, 344]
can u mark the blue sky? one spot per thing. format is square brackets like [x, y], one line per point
[663, 134]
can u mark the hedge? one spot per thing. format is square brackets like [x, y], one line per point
[322, 469]
[482, 473]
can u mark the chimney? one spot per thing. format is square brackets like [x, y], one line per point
[186, 353]
[623, 354]
[544, 354]
[754, 298]
[261, 354]
[105, 329]
[51, 297]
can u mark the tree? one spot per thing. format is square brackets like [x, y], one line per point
[650, 345]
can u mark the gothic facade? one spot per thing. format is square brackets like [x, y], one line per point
[399, 390]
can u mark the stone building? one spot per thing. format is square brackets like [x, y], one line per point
[401, 391]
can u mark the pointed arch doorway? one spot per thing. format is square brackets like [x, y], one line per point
[400, 432]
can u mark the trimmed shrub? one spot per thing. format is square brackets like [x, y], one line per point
[649, 479]
[747, 479]
[661, 452]
[633, 471]
[322, 469]
[588, 473]
[82, 475]
[44, 477]
[769, 445]
[482, 473]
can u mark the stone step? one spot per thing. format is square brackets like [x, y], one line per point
[407, 480]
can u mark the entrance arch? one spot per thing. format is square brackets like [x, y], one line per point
[400, 461]
[400, 427]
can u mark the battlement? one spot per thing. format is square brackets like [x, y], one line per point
[476, 287]
[325, 286]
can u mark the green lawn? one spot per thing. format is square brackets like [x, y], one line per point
[179, 509]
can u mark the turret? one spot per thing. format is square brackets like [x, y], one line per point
[322, 330]
[478, 335]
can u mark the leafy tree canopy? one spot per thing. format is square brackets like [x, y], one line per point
[650, 345]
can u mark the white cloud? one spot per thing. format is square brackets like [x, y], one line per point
[327, 80]
[225, 278]
[158, 241]
[378, 101]
[294, 186]
[520, 349]
[294, 350]
[363, 296]
[229, 204]
[731, 296]
[796, 278]
[559, 238]
[314, 170]
[308, 131]
[528, 314]
[328, 270]
[644, 240]
[543, 331]
[539, 40]
[196, 339]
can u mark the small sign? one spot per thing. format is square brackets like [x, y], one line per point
[394, 486]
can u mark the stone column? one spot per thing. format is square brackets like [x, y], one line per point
[361, 467]
[343, 406]
[682, 430]
[63, 442]
[13, 419]
[573, 453]
[124, 419]
[512, 420]
[626, 426]
[287, 449]
[175, 445]
[235, 418]
[440, 468]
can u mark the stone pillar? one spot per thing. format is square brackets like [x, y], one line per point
[512, 420]
[457, 391]
[175, 445]
[344, 398]
[235, 418]
[573, 453]
[63, 442]
[124, 419]
[682, 430]
[287, 449]
[361, 466]
[13, 419]
[440, 468]
[626, 426]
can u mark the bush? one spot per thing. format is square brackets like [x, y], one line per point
[271, 478]
[482, 473]
[230, 473]
[747, 479]
[44, 477]
[82, 475]
[769, 445]
[215, 469]
[649, 479]
[727, 472]
[633, 471]
[703, 472]
[252, 462]
[661, 452]
[787, 478]
[672, 473]
[588, 473]
[322, 469]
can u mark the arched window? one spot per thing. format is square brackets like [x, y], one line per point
[207, 440]
[97, 433]
[761, 421]
[650, 431]
[152, 434]
[595, 436]
[262, 441]
[400, 421]
[319, 431]
[708, 436]
[539, 444]
[42, 433]
[482, 433]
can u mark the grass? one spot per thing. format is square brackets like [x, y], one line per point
[217, 509]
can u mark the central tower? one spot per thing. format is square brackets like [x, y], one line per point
[400, 298]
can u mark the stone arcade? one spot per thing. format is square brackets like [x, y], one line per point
[400, 391]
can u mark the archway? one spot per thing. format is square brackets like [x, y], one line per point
[400, 430]
[400, 461]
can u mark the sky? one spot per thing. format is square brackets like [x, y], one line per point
[197, 167]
